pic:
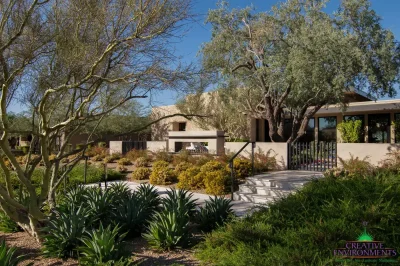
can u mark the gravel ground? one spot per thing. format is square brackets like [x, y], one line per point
[27, 245]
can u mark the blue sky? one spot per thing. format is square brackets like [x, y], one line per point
[199, 33]
[388, 10]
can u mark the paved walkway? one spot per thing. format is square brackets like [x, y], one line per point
[240, 208]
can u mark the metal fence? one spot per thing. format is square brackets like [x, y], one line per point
[130, 145]
[312, 156]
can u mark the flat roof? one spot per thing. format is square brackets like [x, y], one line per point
[367, 106]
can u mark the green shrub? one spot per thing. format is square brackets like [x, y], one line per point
[124, 161]
[141, 173]
[216, 182]
[63, 232]
[7, 225]
[191, 179]
[100, 203]
[75, 198]
[98, 158]
[181, 167]
[7, 255]
[121, 169]
[350, 131]
[120, 192]
[109, 159]
[162, 174]
[169, 229]
[102, 144]
[94, 175]
[134, 154]
[142, 162]
[215, 213]
[212, 166]
[304, 228]
[25, 149]
[103, 245]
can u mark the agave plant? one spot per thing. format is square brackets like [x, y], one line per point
[101, 204]
[73, 199]
[133, 215]
[120, 191]
[103, 246]
[149, 194]
[215, 213]
[168, 230]
[7, 256]
[7, 225]
[64, 231]
[181, 201]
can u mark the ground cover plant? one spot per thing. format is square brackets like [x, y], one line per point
[305, 227]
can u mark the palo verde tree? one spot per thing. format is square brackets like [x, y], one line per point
[73, 62]
[296, 58]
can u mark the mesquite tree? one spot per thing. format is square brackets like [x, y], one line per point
[296, 58]
[73, 62]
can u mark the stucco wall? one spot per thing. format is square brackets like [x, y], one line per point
[376, 152]
[155, 146]
[115, 147]
[277, 150]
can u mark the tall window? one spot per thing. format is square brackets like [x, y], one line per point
[397, 128]
[379, 128]
[327, 129]
[182, 126]
[361, 137]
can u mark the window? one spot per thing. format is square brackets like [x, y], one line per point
[182, 126]
[361, 138]
[327, 129]
[397, 128]
[379, 128]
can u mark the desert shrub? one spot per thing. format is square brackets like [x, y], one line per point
[7, 225]
[391, 162]
[216, 182]
[225, 157]
[124, 161]
[121, 169]
[203, 159]
[141, 162]
[102, 144]
[181, 167]
[52, 157]
[100, 152]
[162, 155]
[7, 255]
[108, 159]
[264, 161]
[115, 156]
[215, 213]
[355, 167]
[183, 157]
[103, 245]
[162, 174]
[212, 166]
[242, 168]
[64, 231]
[98, 158]
[191, 179]
[304, 228]
[141, 173]
[134, 154]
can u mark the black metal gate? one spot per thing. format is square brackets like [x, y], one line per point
[312, 156]
[130, 145]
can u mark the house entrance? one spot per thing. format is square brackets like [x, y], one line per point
[312, 156]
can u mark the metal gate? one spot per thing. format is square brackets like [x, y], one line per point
[312, 156]
[130, 145]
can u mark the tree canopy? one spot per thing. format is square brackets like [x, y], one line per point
[296, 58]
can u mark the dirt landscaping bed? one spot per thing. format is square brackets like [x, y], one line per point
[142, 255]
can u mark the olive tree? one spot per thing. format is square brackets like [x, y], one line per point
[296, 58]
[73, 62]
